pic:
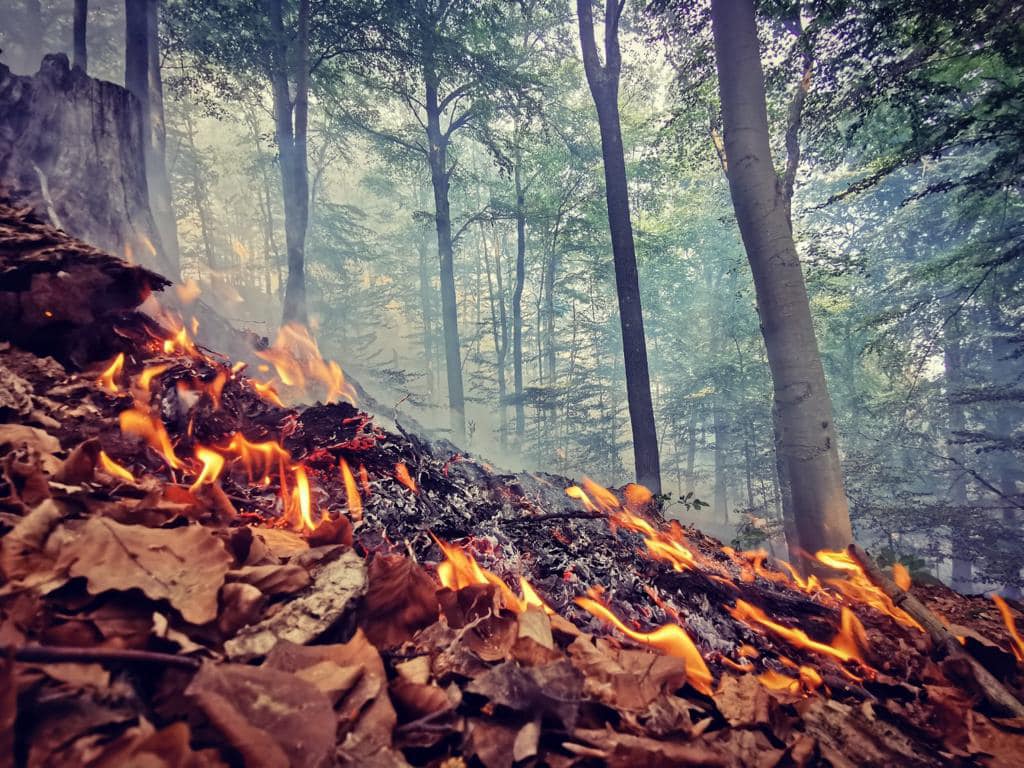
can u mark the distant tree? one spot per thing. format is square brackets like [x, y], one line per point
[79, 26]
[604, 86]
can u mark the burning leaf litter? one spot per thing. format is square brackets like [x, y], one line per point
[167, 512]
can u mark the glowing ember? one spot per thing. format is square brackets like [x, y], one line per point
[402, 475]
[355, 503]
[364, 479]
[297, 361]
[857, 587]
[213, 464]
[114, 469]
[1011, 627]
[670, 639]
[108, 379]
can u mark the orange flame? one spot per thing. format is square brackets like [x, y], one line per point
[755, 617]
[107, 379]
[1011, 627]
[151, 372]
[267, 391]
[138, 421]
[297, 360]
[901, 576]
[460, 569]
[303, 498]
[575, 492]
[355, 503]
[856, 586]
[670, 639]
[213, 464]
[402, 475]
[114, 469]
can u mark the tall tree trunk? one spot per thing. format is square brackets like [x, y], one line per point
[79, 25]
[806, 436]
[160, 197]
[604, 86]
[427, 313]
[957, 423]
[440, 174]
[290, 124]
[721, 508]
[517, 301]
[136, 56]
[499, 330]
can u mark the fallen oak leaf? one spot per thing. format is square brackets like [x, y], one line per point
[185, 566]
[271, 579]
[401, 599]
[272, 718]
[29, 552]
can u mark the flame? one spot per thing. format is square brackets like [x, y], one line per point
[755, 617]
[670, 639]
[402, 475]
[188, 291]
[258, 458]
[216, 388]
[151, 372]
[179, 343]
[856, 586]
[267, 391]
[901, 576]
[575, 492]
[303, 498]
[138, 421]
[114, 469]
[297, 360]
[355, 503]
[106, 380]
[776, 681]
[213, 464]
[1011, 627]
[791, 576]
[460, 569]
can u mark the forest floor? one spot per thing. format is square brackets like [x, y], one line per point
[195, 573]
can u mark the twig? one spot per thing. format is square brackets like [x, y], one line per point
[43, 654]
[995, 693]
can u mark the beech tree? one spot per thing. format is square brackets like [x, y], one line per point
[604, 86]
[806, 443]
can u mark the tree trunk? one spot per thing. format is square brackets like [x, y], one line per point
[517, 303]
[290, 122]
[79, 26]
[806, 436]
[439, 178]
[499, 329]
[957, 422]
[604, 86]
[136, 56]
[160, 198]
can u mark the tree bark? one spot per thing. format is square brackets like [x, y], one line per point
[956, 424]
[160, 197]
[437, 158]
[79, 26]
[517, 302]
[290, 124]
[604, 87]
[806, 437]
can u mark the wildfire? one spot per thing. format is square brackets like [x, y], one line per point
[1018, 644]
[213, 464]
[108, 379]
[140, 422]
[297, 361]
[844, 647]
[857, 587]
[352, 498]
[114, 469]
[302, 498]
[670, 639]
[460, 569]
[402, 475]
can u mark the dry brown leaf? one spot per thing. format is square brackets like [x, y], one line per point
[80, 466]
[168, 748]
[242, 604]
[742, 700]
[416, 700]
[492, 637]
[24, 473]
[624, 750]
[535, 625]
[281, 542]
[330, 678]
[414, 670]
[626, 679]
[554, 689]
[273, 718]
[307, 616]
[272, 579]
[527, 741]
[185, 566]
[1001, 740]
[29, 552]
[400, 600]
[8, 712]
[337, 530]
[18, 436]
[491, 742]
